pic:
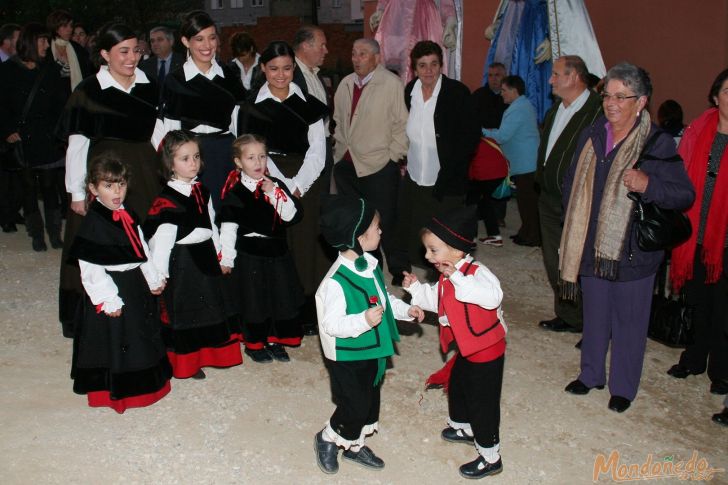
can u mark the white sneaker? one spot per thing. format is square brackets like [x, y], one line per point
[496, 241]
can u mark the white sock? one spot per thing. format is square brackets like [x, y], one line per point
[491, 454]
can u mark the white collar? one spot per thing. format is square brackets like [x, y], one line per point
[106, 80]
[191, 70]
[372, 263]
[182, 186]
[417, 89]
[242, 67]
[265, 93]
[305, 68]
[467, 259]
[248, 182]
[363, 82]
[578, 102]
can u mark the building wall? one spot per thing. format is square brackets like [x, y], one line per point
[683, 44]
[228, 15]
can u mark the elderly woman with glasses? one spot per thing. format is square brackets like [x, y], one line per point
[599, 253]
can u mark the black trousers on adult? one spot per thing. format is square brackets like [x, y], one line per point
[527, 200]
[357, 399]
[474, 397]
[378, 189]
[43, 182]
[11, 196]
[550, 213]
[710, 318]
[415, 207]
[480, 193]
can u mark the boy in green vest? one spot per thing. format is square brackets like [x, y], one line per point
[356, 318]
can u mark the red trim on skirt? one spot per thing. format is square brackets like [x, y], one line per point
[187, 365]
[99, 399]
[291, 342]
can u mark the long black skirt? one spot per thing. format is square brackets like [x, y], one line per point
[123, 355]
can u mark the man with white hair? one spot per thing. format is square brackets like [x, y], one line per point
[370, 136]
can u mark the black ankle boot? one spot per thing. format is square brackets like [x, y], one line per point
[39, 244]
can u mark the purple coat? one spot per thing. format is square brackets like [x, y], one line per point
[669, 187]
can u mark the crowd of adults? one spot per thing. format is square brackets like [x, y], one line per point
[411, 150]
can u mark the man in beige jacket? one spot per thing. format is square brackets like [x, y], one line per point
[370, 136]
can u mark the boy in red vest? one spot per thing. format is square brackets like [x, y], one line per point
[467, 299]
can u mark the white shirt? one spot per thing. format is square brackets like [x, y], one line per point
[162, 241]
[314, 85]
[562, 118]
[99, 286]
[78, 145]
[423, 163]
[315, 158]
[246, 76]
[229, 230]
[331, 306]
[166, 125]
[482, 288]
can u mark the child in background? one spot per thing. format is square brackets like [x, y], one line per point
[467, 299]
[356, 318]
[262, 290]
[119, 359]
[184, 245]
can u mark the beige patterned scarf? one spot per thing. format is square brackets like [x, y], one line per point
[74, 66]
[614, 212]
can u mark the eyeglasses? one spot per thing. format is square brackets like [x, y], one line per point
[619, 97]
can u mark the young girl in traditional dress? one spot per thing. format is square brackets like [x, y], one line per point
[119, 359]
[263, 289]
[184, 246]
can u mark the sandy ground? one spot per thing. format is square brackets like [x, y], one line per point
[255, 423]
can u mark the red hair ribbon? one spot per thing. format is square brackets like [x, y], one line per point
[278, 193]
[128, 223]
[232, 179]
[198, 196]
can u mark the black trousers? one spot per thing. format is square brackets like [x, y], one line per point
[710, 318]
[479, 192]
[527, 201]
[357, 399]
[378, 189]
[474, 397]
[43, 182]
[550, 214]
[11, 195]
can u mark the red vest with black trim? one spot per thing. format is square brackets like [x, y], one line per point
[479, 333]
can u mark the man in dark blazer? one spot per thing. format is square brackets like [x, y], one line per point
[164, 60]
[578, 108]
[435, 179]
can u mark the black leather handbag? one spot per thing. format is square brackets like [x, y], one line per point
[658, 229]
[671, 317]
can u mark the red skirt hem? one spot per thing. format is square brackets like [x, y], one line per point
[99, 399]
[187, 365]
[290, 342]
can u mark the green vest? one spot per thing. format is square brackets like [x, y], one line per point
[374, 343]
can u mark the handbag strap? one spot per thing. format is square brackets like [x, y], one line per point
[31, 96]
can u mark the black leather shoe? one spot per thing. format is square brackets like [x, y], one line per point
[364, 457]
[579, 388]
[481, 468]
[721, 417]
[56, 241]
[200, 375]
[326, 454]
[680, 371]
[278, 352]
[522, 242]
[619, 404]
[10, 227]
[719, 387]
[261, 356]
[39, 244]
[557, 325]
[456, 436]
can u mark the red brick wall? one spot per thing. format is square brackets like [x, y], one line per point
[268, 29]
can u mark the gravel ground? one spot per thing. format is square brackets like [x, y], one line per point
[255, 423]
